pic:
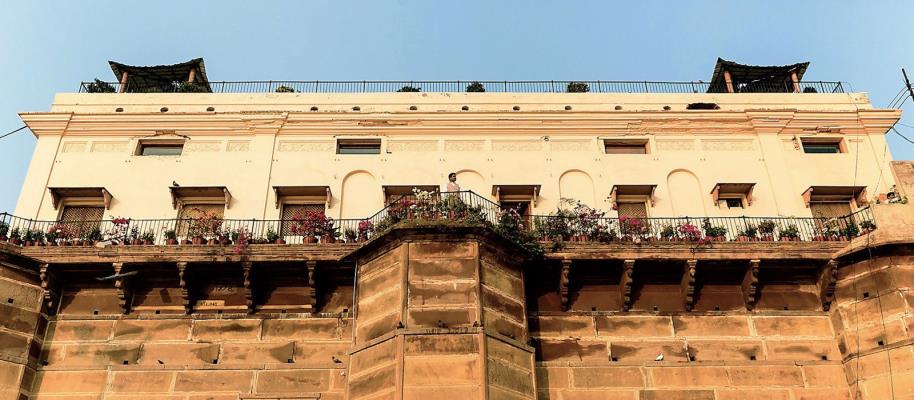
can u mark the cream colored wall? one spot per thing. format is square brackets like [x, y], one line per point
[255, 141]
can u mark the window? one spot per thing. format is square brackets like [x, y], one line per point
[292, 211]
[733, 202]
[81, 220]
[832, 209]
[633, 209]
[160, 148]
[823, 145]
[358, 146]
[626, 146]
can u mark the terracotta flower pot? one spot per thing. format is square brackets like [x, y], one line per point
[198, 240]
[279, 241]
[185, 241]
[171, 242]
[767, 238]
[4, 239]
[328, 239]
[789, 239]
[309, 239]
[15, 241]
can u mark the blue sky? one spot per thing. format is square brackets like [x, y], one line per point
[49, 47]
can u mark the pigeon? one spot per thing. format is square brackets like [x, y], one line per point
[659, 358]
[336, 360]
[175, 184]
[160, 361]
[400, 325]
[441, 324]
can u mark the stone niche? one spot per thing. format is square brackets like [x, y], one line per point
[440, 315]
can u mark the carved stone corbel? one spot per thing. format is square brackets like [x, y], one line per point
[121, 286]
[182, 282]
[312, 265]
[688, 284]
[750, 284]
[47, 286]
[564, 280]
[248, 289]
[828, 278]
[625, 284]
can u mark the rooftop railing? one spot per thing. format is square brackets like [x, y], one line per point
[461, 87]
[443, 208]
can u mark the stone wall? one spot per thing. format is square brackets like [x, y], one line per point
[874, 322]
[191, 358]
[789, 355]
[21, 328]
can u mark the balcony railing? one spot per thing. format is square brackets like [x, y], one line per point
[435, 208]
[460, 87]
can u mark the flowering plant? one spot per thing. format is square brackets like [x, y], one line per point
[118, 229]
[313, 224]
[241, 238]
[632, 225]
[205, 223]
[58, 231]
[689, 232]
[588, 220]
[366, 227]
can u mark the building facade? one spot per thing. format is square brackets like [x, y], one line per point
[178, 238]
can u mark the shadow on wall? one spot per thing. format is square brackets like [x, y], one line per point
[578, 185]
[361, 195]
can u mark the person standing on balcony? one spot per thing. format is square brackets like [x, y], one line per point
[452, 185]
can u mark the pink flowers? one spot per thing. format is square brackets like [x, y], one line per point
[689, 232]
[365, 227]
[120, 221]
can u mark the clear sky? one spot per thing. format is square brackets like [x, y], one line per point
[49, 47]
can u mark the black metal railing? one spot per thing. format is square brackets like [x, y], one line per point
[464, 206]
[463, 86]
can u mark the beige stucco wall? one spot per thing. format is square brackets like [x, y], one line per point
[252, 142]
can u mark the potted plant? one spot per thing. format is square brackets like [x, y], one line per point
[476, 87]
[54, 233]
[407, 89]
[766, 228]
[191, 87]
[273, 237]
[15, 237]
[94, 236]
[716, 233]
[284, 89]
[631, 227]
[668, 233]
[135, 239]
[99, 86]
[366, 228]
[171, 237]
[587, 223]
[148, 238]
[689, 232]
[850, 231]
[577, 87]
[28, 238]
[867, 227]
[205, 224]
[350, 235]
[790, 234]
[750, 233]
[4, 229]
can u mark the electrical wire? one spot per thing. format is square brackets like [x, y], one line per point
[902, 136]
[17, 130]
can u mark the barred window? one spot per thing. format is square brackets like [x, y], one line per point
[290, 211]
[632, 209]
[81, 220]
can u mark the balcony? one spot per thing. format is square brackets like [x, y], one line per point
[461, 87]
[430, 209]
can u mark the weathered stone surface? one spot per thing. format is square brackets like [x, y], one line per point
[793, 326]
[441, 293]
[766, 375]
[142, 381]
[691, 394]
[26, 296]
[509, 353]
[607, 377]
[441, 344]
[179, 353]
[307, 353]
[233, 329]
[442, 269]
[753, 394]
[562, 326]
[634, 326]
[166, 329]
[373, 382]
[726, 350]
[214, 381]
[85, 355]
[449, 250]
[445, 392]
[292, 381]
[302, 329]
[14, 345]
[506, 376]
[437, 370]
[688, 376]
[79, 331]
[572, 350]
[70, 382]
[711, 326]
[648, 351]
[18, 319]
[379, 354]
[269, 353]
[553, 377]
[802, 350]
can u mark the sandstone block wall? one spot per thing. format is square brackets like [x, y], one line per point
[735, 356]
[874, 322]
[21, 329]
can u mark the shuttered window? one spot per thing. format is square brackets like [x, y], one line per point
[830, 209]
[80, 220]
[190, 211]
[290, 211]
[632, 210]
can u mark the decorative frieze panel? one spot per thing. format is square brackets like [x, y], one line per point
[202, 147]
[288, 146]
[516, 145]
[675, 144]
[571, 145]
[412, 145]
[108, 147]
[728, 145]
[238, 146]
[464, 145]
[74, 147]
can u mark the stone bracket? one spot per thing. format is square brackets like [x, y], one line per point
[312, 265]
[828, 279]
[246, 267]
[688, 284]
[750, 284]
[122, 286]
[48, 286]
[182, 282]
[625, 284]
[564, 280]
